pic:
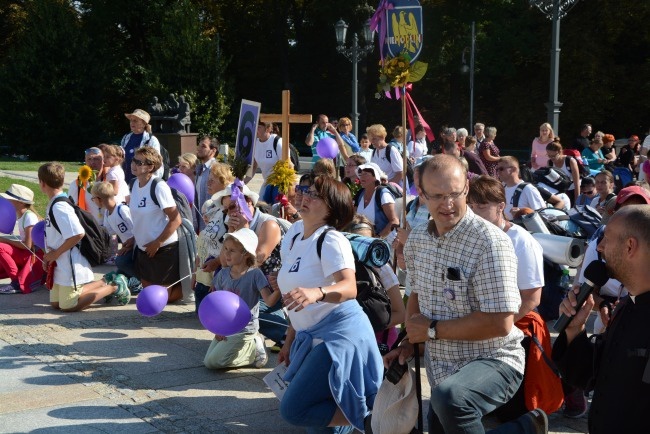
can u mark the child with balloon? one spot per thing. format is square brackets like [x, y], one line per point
[16, 254]
[239, 276]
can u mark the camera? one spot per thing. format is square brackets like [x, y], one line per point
[396, 371]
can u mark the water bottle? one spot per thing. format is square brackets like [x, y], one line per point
[565, 280]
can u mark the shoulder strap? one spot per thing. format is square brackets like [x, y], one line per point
[517, 193]
[118, 211]
[378, 192]
[293, 240]
[357, 196]
[321, 240]
[388, 148]
[152, 191]
[275, 144]
[52, 219]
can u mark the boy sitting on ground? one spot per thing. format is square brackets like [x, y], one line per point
[72, 287]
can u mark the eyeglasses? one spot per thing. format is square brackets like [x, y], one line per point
[302, 189]
[502, 168]
[140, 163]
[351, 165]
[444, 197]
[312, 194]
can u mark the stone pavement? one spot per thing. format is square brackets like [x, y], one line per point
[109, 369]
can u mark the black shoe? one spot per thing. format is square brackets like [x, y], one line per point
[537, 420]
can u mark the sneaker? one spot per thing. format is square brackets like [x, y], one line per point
[275, 348]
[110, 277]
[122, 293]
[8, 289]
[537, 421]
[135, 286]
[260, 352]
[575, 404]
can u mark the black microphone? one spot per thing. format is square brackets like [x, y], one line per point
[595, 275]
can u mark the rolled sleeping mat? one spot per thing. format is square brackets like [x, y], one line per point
[534, 223]
[561, 250]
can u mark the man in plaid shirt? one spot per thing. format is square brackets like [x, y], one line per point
[463, 271]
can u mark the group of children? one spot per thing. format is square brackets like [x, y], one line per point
[70, 276]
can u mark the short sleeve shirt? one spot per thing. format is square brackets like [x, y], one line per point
[149, 219]
[248, 287]
[487, 282]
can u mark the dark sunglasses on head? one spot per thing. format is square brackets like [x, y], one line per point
[92, 151]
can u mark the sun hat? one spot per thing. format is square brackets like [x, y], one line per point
[246, 237]
[216, 198]
[372, 166]
[19, 193]
[634, 190]
[396, 406]
[139, 114]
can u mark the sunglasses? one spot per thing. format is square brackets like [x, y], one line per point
[140, 163]
[92, 151]
[302, 189]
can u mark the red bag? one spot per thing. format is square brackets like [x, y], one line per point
[542, 383]
[49, 281]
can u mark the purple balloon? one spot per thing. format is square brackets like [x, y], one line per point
[183, 184]
[152, 300]
[224, 313]
[38, 234]
[327, 148]
[7, 216]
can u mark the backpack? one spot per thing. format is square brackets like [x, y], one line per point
[371, 294]
[293, 153]
[582, 170]
[525, 173]
[574, 153]
[542, 383]
[380, 217]
[553, 178]
[586, 217]
[558, 222]
[409, 165]
[95, 245]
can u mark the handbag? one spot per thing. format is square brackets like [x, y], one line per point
[394, 410]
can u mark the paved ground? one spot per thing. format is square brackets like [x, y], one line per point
[109, 369]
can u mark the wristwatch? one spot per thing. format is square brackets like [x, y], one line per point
[432, 329]
[295, 215]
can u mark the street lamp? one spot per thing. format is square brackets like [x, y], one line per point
[465, 69]
[355, 54]
[554, 10]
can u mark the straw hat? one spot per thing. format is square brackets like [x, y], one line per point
[138, 114]
[19, 193]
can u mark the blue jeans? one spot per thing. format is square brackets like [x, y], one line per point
[200, 292]
[460, 401]
[126, 264]
[269, 317]
[308, 401]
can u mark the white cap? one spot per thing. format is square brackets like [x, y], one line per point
[246, 237]
[372, 166]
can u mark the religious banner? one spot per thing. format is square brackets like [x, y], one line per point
[404, 28]
[249, 114]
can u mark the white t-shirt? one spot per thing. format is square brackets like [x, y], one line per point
[529, 198]
[69, 226]
[301, 267]
[396, 162]
[29, 218]
[116, 173]
[149, 219]
[530, 264]
[369, 211]
[266, 156]
[417, 149]
[120, 222]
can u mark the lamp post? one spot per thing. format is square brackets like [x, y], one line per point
[355, 54]
[465, 69]
[554, 10]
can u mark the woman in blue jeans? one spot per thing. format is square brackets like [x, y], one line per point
[334, 365]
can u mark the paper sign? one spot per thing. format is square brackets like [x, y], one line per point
[274, 380]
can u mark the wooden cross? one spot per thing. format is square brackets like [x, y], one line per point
[286, 118]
